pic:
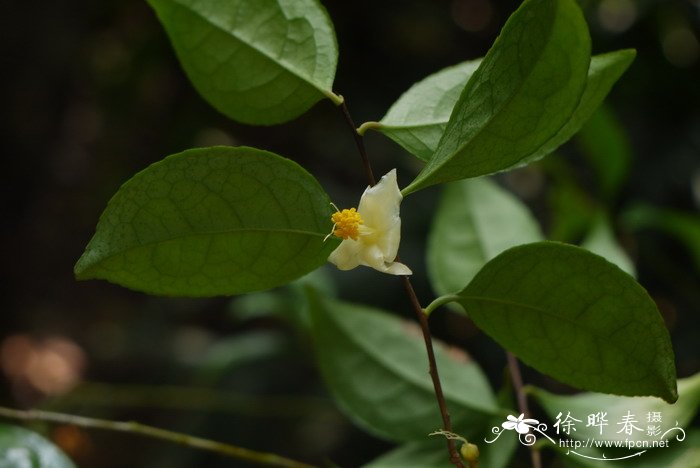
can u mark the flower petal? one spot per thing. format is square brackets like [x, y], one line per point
[379, 208]
[347, 255]
[371, 255]
[379, 205]
[397, 268]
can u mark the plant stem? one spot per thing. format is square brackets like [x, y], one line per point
[131, 427]
[432, 368]
[360, 143]
[422, 317]
[518, 386]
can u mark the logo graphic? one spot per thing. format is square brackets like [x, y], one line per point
[627, 437]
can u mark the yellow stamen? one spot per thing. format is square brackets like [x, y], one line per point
[346, 224]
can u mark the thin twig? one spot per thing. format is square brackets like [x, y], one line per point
[422, 318]
[359, 141]
[131, 427]
[432, 368]
[518, 386]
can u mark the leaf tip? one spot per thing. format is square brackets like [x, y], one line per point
[632, 53]
[628, 56]
[670, 394]
[81, 270]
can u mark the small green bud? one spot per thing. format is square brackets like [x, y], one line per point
[469, 452]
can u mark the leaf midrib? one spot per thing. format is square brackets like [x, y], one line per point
[281, 63]
[195, 235]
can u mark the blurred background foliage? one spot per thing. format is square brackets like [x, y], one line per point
[93, 93]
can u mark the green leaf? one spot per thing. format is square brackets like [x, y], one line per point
[20, 447]
[418, 119]
[576, 317]
[581, 405]
[475, 221]
[601, 240]
[524, 92]
[256, 61]
[606, 147]
[603, 72]
[387, 389]
[211, 221]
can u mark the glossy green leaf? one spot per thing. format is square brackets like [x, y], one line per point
[576, 317]
[682, 411]
[524, 92]
[387, 389]
[606, 147]
[475, 221]
[601, 240]
[418, 119]
[23, 448]
[211, 221]
[256, 61]
[603, 72]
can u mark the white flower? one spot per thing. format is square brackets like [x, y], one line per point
[371, 234]
[521, 425]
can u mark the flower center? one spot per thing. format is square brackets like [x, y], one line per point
[346, 223]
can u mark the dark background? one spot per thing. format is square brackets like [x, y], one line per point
[93, 93]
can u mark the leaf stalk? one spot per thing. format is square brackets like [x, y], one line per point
[440, 301]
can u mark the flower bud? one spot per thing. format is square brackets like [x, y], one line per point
[469, 452]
